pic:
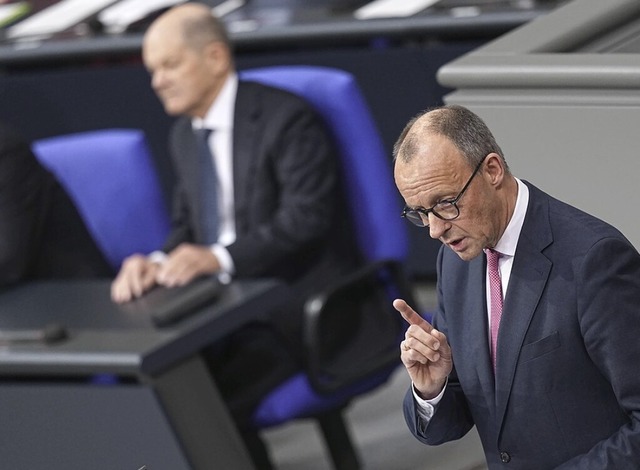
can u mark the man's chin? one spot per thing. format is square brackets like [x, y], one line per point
[173, 109]
[463, 249]
[465, 256]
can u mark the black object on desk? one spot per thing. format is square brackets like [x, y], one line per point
[167, 305]
[47, 334]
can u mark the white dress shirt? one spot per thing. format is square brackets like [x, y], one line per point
[219, 119]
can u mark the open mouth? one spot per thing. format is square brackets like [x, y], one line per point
[455, 244]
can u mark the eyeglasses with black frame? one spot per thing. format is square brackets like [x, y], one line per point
[444, 210]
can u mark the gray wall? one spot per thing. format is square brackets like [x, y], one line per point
[562, 95]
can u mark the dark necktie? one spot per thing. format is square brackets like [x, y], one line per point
[495, 290]
[208, 188]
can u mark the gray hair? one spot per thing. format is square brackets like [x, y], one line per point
[201, 29]
[465, 129]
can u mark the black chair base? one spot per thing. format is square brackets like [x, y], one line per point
[338, 440]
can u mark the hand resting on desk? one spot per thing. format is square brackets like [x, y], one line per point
[140, 273]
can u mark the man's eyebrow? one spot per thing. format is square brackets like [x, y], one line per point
[439, 199]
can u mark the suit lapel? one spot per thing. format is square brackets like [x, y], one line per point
[462, 298]
[529, 276]
[245, 126]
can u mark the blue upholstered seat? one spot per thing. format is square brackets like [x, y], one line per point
[374, 206]
[110, 175]
[366, 166]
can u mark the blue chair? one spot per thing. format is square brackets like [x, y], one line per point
[110, 176]
[347, 354]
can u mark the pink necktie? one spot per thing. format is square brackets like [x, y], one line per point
[495, 289]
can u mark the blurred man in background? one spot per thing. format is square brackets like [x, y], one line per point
[257, 195]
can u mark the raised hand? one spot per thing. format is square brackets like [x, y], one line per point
[425, 353]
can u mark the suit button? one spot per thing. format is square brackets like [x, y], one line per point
[505, 457]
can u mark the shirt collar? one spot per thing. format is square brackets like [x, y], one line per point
[509, 241]
[220, 114]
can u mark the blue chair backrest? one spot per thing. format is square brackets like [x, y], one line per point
[373, 199]
[110, 176]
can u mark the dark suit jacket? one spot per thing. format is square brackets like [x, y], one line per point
[289, 220]
[567, 391]
[41, 232]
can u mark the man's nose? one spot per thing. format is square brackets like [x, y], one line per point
[437, 226]
[157, 80]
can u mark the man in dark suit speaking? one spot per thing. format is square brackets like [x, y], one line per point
[257, 194]
[535, 340]
[42, 235]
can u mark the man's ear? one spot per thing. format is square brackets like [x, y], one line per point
[218, 56]
[494, 168]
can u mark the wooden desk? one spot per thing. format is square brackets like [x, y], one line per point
[163, 411]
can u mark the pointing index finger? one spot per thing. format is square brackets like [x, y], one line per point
[411, 316]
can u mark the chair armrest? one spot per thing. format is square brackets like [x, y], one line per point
[351, 329]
